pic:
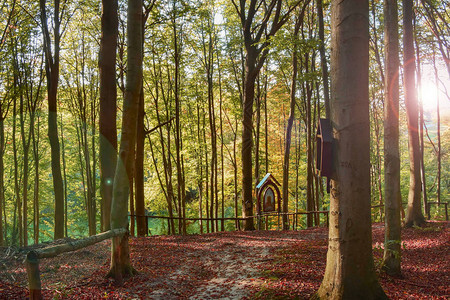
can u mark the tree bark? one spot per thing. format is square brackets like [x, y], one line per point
[120, 255]
[350, 272]
[287, 146]
[141, 223]
[392, 241]
[323, 59]
[52, 73]
[414, 214]
[108, 97]
[36, 181]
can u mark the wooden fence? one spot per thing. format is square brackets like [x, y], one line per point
[32, 259]
[294, 222]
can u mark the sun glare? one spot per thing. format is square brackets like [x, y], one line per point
[429, 95]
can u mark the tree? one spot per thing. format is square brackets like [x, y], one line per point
[120, 253]
[323, 59]
[108, 106]
[256, 41]
[350, 272]
[141, 223]
[392, 247]
[287, 147]
[52, 74]
[414, 214]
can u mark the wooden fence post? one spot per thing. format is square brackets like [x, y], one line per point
[34, 279]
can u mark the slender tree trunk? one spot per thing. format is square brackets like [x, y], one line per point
[266, 128]
[64, 178]
[297, 163]
[247, 182]
[392, 241]
[421, 129]
[200, 170]
[414, 214]
[52, 72]
[25, 147]
[139, 170]
[222, 224]
[108, 96]
[257, 137]
[178, 134]
[19, 230]
[131, 196]
[120, 254]
[350, 271]
[323, 59]
[36, 181]
[287, 146]
[309, 164]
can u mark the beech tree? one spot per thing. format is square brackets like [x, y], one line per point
[52, 73]
[108, 107]
[414, 214]
[392, 247]
[120, 253]
[350, 271]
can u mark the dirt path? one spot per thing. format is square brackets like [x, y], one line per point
[219, 266]
[236, 272]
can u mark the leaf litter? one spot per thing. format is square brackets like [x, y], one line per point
[229, 265]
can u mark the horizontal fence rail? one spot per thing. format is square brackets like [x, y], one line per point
[32, 259]
[265, 215]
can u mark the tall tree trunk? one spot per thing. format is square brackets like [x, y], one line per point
[36, 181]
[323, 59]
[120, 254]
[309, 158]
[392, 241]
[139, 170]
[141, 221]
[200, 170]
[108, 97]
[178, 135]
[287, 146]
[52, 73]
[17, 233]
[350, 271]
[414, 214]
[235, 169]
[247, 182]
[64, 178]
[222, 224]
[25, 147]
[421, 129]
[257, 137]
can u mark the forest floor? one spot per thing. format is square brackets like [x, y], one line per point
[230, 265]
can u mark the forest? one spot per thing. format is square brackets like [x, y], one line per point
[173, 111]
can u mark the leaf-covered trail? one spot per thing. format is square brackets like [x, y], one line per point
[229, 265]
